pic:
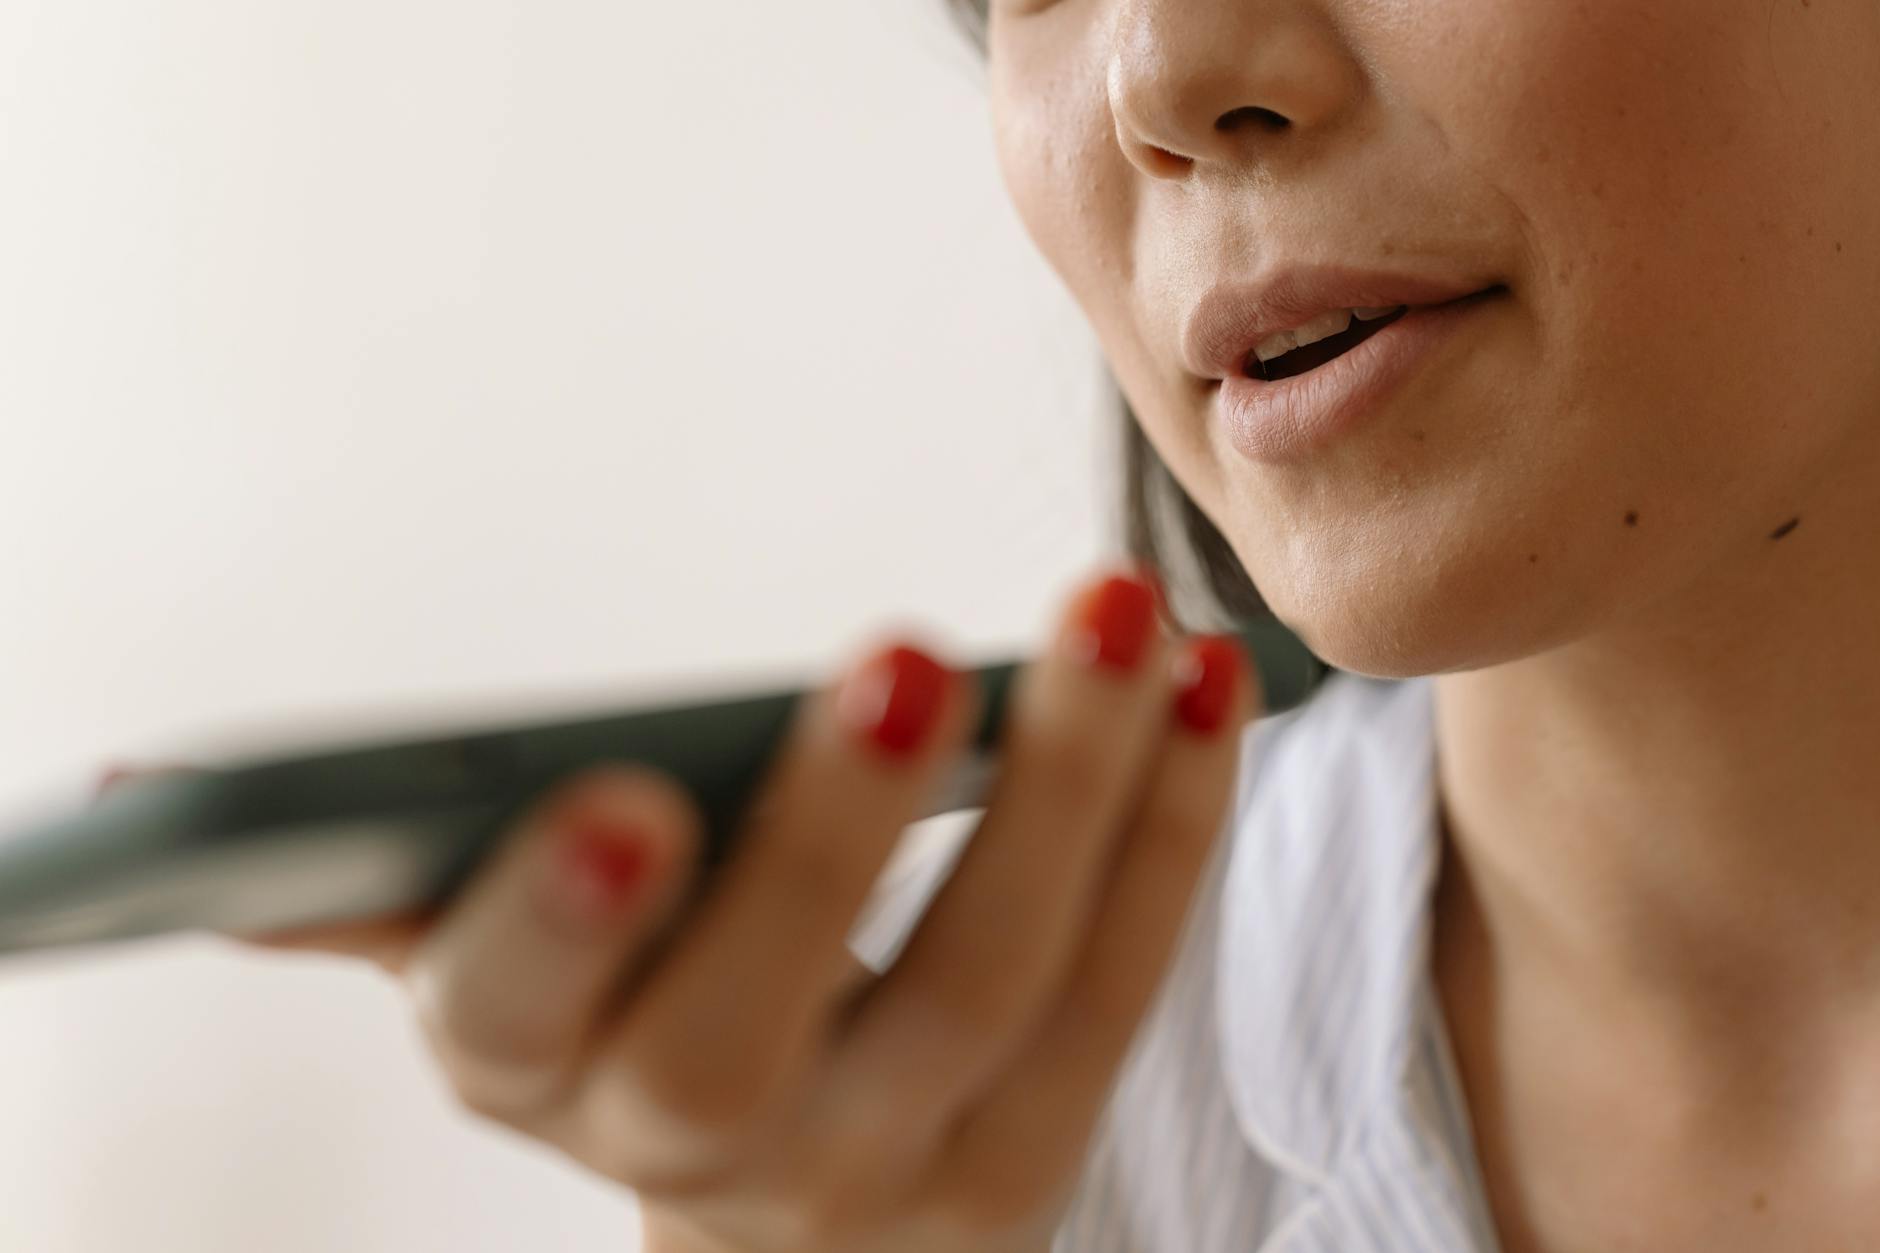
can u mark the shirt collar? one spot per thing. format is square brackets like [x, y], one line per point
[1323, 964]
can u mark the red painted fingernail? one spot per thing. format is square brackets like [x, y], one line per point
[1207, 674]
[117, 773]
[894, 699]
[1117, 620]
[602, 861]
[111, 776]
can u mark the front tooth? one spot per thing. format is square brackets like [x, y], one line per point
[1372, 315]
[1275, 346]
[1326, 325]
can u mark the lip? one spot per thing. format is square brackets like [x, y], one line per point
[1280, 421]
[1231, 319]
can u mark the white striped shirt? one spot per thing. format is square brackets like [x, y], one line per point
[1292, 1088]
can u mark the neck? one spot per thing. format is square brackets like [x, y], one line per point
[1684, 810]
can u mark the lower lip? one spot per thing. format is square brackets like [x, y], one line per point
[1283, 421]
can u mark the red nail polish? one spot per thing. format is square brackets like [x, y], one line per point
[601, 863]
[1118, 618]
[1210, 669]
[110, 777]
[894, 700]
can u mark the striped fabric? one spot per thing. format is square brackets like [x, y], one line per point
[1292, 1091]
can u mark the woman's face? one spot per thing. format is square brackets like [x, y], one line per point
[1675, 207]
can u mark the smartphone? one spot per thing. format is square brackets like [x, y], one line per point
[270, 844]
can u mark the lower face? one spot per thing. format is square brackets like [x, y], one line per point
[1677, 204]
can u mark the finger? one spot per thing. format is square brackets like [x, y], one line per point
[1023, 1144]
[1082, 731]
[115, 774]
[510, 982]
[735, 1010]
[386, 942]
[111, 776]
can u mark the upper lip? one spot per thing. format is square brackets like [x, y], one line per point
[1228, 321]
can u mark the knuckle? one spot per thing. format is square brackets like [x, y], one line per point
[819, 872]
[500, 1091]
[500, 1096]
[507, 1045]
[496, 1064]
[614, 1136]
[1013, 1168]
[957, 1023]
[1185, 820]
[1188, 800]
[459, 1028]
[989, 1202]
[1075, 766]
[816, 850]
[832, 1213]
[723, 1103]
[843, 1185]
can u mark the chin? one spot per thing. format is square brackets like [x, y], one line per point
[1416, 618]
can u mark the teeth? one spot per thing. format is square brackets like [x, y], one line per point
[1326, 325]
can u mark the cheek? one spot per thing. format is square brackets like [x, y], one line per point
[1702, 216]
[1061, 167]
[1076, 195]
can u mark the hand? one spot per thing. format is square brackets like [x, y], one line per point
[730, 1060]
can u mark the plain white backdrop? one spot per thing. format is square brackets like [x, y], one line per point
[365, 360]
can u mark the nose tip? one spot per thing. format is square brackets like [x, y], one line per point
[1221, 83]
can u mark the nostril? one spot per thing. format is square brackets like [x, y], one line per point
[1251, 115]
[1164, 163]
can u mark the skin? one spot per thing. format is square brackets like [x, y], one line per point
[1658, 727]
[711, 1042]
[1658, 724]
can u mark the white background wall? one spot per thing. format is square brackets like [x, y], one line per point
[403, 358]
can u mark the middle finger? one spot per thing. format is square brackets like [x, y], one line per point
[1083, 725]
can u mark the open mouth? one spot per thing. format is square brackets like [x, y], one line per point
[1327, 338]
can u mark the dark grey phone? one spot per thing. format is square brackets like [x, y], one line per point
[389, 827]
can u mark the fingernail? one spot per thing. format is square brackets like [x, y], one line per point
[113, 774]
[894, 699]
[1115, 623]
[1206, 674]
[600, 862]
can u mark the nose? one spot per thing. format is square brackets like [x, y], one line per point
[1223, 82]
